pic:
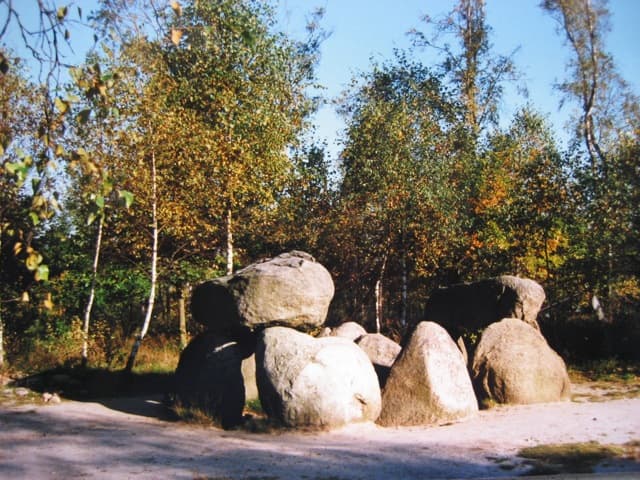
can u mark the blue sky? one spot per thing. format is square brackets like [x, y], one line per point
[362, 30]
[365, 29]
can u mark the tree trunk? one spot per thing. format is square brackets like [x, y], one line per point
[154, 272]
[229, 242]
[472, 30]
[92, 293]
[182, 301]
[403, 312]
[379, 294]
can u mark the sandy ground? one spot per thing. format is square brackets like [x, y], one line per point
[132, 438]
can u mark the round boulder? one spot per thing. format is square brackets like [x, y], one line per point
[428, 383]
[513, 363]
[314, 382]
[290, 290]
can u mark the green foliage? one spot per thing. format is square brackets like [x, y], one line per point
[244, 87]
[428, 190]
[398, 156]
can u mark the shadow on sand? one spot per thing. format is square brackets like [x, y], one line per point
[143, 394]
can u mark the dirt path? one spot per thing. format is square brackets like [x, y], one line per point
[127, 438]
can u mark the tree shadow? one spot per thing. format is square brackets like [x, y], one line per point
[143, 394]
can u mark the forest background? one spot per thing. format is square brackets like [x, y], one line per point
[183, 148]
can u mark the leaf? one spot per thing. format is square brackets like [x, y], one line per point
[107, 187]
[92, 218]
[83, 116]
[175, 5]
[62, 12]
[33, 261]
[48, 302]
[55, 204]
[42, 273]
[17, 248]
[11, 167]
[100, 202]
[126, 196]
[176, 35]
[61, 105]
[35, 219]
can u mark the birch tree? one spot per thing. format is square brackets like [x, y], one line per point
[608, 108]
[607, 124]
[475, 71]
[247, 84]
[396, 163]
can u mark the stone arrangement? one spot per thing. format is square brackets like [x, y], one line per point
[259, 343]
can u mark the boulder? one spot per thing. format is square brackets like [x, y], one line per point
[213, 305]
[428, 383]
[513, 363]
[291, 290]
[209, 378]
[469, 307]
[349, 330]
[314, 382]
[382, 352]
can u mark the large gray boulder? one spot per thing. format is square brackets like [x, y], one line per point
[469, 307]
[290, 290]
[209, 378]
[382, 352]
[513, 363]
[428, 383]
[314, 382]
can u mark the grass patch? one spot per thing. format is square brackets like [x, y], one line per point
[608, 370]
[152, 374]
[13, 397]
[254, 407]
[574, 457]
[604, 380]
[194, 416]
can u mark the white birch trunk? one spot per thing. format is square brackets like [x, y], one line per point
[87, 311]
[379, 294]
[154, 273]
[403, 312]
[229, 242]
[378, 305]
